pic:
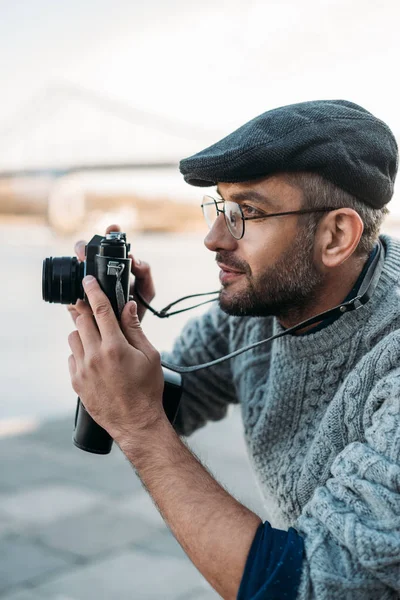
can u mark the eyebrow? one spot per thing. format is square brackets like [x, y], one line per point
[250, 195]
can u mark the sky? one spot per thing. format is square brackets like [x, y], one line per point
[209, 65]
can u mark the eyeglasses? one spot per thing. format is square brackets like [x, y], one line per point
[234, 217]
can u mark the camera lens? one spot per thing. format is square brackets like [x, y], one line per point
[62, 279]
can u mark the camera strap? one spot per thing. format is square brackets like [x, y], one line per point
[365, 292]
[163, 313]
[115, 267]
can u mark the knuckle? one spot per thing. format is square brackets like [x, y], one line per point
[101, 309]
[154, 354]
[72, 337]
[80, 248]
[146, 267]
[80, 319]
[81, 305]
[112, 350]
[93, 361]
[81, 308]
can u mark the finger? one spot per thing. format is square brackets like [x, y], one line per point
[88, 334]
[81, 307]
[133, 331]
[80, 250]
[140, 268]
[72, 366]
[74, 313]
[111, 228]
[102, 310]
[75, 343]
[143, 279]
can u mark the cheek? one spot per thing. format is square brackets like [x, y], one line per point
[264, 246]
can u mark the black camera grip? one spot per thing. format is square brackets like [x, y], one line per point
[89, 436]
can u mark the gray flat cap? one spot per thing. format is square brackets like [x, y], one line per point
[338, 139]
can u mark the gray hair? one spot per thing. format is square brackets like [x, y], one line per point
[319, 192]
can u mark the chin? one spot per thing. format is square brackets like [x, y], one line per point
[233, 305]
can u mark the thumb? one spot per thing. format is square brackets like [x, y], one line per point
[132, 328]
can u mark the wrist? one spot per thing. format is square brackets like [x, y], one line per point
[138, 441]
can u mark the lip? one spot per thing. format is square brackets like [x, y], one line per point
[227, 274]
[228, 269]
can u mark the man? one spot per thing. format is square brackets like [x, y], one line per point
[302, 193]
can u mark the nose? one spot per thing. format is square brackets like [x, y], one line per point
[219, 238]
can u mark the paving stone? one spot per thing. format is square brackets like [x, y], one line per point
[56, 433]
[23, 464]
[22, 561]
[75, 504]
[26, 594]
[47, 503]
[163, 543]
[7, 525]
[96, 532]
[129, 575]
[113, 477]
[141, 506]
[206, 593]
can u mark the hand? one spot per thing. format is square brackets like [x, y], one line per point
[140, 275]
[115, 370]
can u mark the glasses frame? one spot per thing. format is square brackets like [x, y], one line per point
[304, 211]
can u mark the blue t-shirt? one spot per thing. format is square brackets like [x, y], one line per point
[273, 566]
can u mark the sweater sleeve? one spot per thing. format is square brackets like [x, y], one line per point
[208, 392]
[351, 525]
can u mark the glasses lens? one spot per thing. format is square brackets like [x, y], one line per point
[234, 219]
[209, 210]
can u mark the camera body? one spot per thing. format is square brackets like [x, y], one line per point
[106, 258]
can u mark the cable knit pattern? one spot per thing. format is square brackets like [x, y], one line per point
[321, 416]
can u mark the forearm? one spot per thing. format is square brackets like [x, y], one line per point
[214, 529]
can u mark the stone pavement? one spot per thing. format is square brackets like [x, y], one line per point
[75, 526]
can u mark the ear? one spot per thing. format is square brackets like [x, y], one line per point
[338, 236]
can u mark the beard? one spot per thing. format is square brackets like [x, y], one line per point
[283, 290]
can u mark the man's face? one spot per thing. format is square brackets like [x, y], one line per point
[271, 270]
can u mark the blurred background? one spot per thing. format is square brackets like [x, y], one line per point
[99, 102]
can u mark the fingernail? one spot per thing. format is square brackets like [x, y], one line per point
[133, 308]
[88, 280]
[138, 262]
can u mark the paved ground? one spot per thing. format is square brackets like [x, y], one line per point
[74, 526]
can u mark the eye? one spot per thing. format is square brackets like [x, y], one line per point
[251, 211]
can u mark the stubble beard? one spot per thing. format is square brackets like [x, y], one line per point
[284, 290]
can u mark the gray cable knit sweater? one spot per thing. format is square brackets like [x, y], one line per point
[321, 416]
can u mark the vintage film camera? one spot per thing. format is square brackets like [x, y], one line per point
[107, 260]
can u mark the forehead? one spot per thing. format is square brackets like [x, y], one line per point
[274, 191]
